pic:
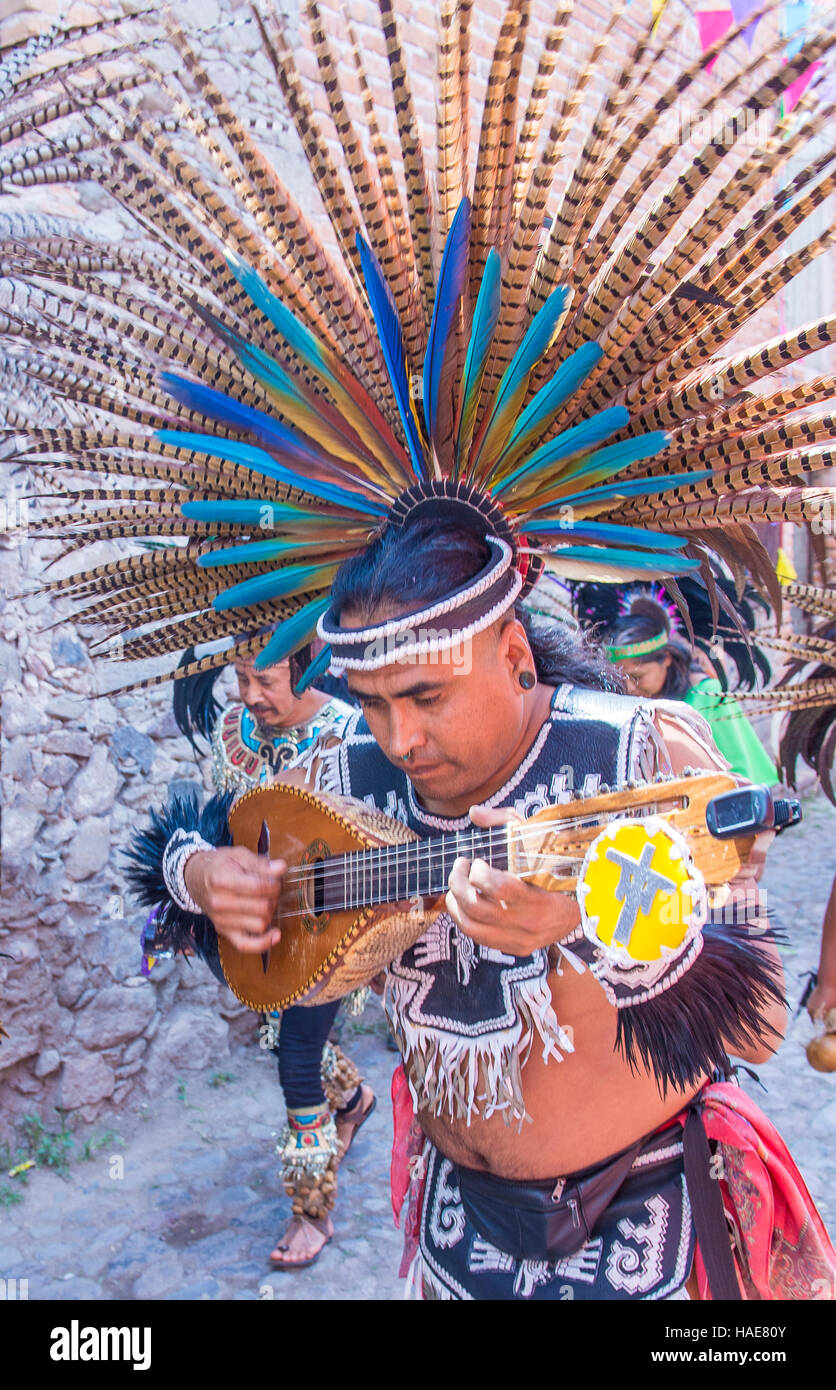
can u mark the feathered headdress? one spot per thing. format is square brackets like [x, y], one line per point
[535, 337]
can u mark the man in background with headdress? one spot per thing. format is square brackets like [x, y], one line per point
[254, 740]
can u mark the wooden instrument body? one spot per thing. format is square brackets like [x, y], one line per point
[323, 955]
[681, 801]
[303, 827]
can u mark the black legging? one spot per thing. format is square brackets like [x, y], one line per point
[302, 1035]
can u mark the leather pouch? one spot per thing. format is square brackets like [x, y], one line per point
[541, 1220]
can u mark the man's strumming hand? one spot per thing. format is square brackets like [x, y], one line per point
[239, 891]
[498, 909]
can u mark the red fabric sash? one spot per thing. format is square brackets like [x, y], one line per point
[782, 1250]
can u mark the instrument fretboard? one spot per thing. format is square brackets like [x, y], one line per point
[398, 873]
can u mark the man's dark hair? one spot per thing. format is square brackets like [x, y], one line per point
[409, 568]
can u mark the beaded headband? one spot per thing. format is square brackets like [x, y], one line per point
[634, 649]
[474, 606]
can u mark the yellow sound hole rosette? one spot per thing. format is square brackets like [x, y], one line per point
[640, 892]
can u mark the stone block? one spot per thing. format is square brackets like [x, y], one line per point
[129, 745]
[58, 771]
[68, 651]
[116, 1014]
[17, 759]
[93, 791]
[70, 741]
[71, 984]
[48, 1062]
[85, 1081]
[189, 1039]
[20, 826]
[89, 849]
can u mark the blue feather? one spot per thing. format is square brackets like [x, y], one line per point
[628, 559]
[257, 461]
[451, 281]
[485, 316]
[609, 532]
[583, 436]
[247, 513]
[292, 634]
[316, 668]
[569, 376]
[228, 411]
[391, 341]
[303, 342]
[616, 456]
[276, 584]
[535, 344]
[636, 487]
[257, 552]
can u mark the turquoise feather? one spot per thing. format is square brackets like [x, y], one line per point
[292, 634]
[316, 668]
[263, 587]
[605, 462]
[630, 559]
[258, 461]
[609, 531]
[258, 552]
[636, 487]
[545, 404]
[485, 316]
[579, 437]
[246, 513]
[302, 341]
[534, 345]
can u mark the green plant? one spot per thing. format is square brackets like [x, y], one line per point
[221, 1078]
[10, 1196]
[99, 1141]
[49, 1148]
[181, 1089]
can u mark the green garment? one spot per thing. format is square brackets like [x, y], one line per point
[732, 732]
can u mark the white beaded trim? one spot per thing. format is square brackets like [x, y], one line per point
[176, 855]
[429, 645]
[407, 622]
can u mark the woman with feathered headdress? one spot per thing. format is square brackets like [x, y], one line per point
[646, 643]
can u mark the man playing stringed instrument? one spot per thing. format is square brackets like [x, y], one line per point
[562, 1110]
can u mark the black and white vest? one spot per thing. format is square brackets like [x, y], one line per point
[467, 1016]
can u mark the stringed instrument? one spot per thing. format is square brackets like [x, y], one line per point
[361, 887]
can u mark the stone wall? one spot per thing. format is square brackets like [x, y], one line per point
[80, 768]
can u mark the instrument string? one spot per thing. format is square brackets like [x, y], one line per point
[344, 907]
[430, 854]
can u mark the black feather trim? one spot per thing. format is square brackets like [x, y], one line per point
[193, 699]
[680, 1034]
[176, 929]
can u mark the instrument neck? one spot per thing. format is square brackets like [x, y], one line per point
[417, 869]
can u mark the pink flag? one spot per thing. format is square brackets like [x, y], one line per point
[794, 92]
[712, 25]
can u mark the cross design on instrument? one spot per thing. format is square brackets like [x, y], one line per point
[638, 885]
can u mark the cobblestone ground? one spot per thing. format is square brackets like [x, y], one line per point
[200, 1204]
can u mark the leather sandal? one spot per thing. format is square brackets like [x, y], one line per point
[363, 1114]
[318, 1224]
